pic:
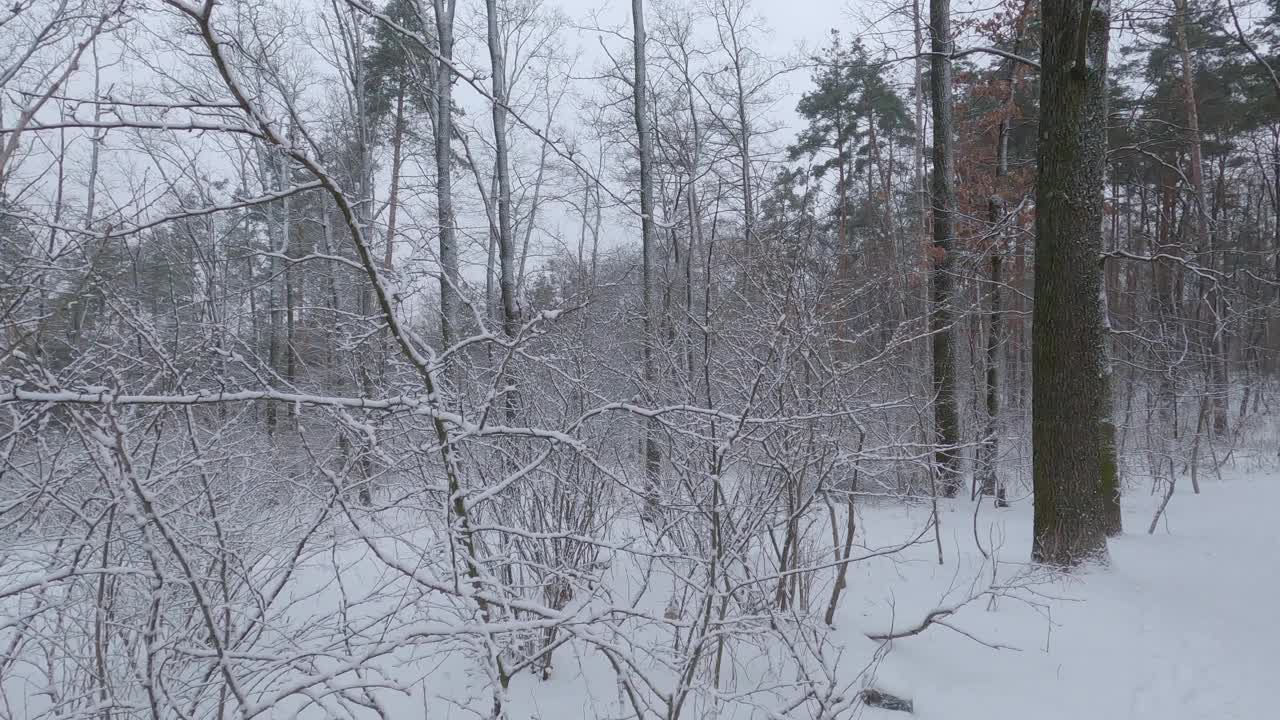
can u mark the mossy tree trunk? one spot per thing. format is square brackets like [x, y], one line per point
[1069, 383]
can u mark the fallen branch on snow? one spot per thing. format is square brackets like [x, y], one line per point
[938, 617]
[885, 701]
[933, 617]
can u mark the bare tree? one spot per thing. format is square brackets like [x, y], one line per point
[442, 117]
[644, 143]
[502, 172]
[1210, 303]
[942, 200]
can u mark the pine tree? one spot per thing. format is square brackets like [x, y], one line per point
[854, 119]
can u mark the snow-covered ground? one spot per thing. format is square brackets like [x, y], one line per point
[1181, 626]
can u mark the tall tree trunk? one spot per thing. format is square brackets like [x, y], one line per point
[1273, 326]
[694, 168]
[277, 288]
[920, 181]
[989, 450]
[946, 419]
[652, 455]
[922, 192]
[743, 128]
[1108, 460]
[506, 243]
[450, 279]
[1213, 340]
[1068, 329]
[1167, 297]
[397, 161]
[291, 282]
[844, 266]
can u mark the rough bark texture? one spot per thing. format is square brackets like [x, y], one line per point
[946, 419]
[1068, 333]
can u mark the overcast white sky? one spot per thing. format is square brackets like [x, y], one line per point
[789, 29]
[792, 27]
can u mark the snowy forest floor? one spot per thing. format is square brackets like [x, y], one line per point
[1180, 626]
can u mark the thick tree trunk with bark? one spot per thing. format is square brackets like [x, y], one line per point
[1068, 372]
[945, 416]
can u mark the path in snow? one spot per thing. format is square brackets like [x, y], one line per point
[1182, 626]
